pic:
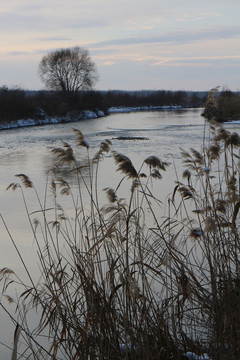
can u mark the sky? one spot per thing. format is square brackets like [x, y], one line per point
[135, 44]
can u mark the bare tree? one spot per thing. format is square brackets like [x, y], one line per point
[68, 70]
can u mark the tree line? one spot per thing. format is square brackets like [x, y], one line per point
[69, 76]
[16, 103]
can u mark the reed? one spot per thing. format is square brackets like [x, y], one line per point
[124, 279]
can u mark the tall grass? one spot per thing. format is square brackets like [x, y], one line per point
[126, 279]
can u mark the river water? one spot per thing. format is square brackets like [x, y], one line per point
[26, 150]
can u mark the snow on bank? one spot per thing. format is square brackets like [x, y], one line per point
[86, 114]
[232, 122]
[114, 110]
[77, 116]
[188, 356]
[192, 356]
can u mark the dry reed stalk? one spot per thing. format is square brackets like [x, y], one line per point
[124, 280]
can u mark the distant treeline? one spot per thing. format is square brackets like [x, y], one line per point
[154, 98]
[18, 104]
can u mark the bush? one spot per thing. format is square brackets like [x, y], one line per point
[229, 106]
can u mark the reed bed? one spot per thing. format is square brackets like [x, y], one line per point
[126, 279]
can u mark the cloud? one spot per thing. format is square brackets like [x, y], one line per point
[41, 19]
[107, 63]
[17, 53]
[11, 21]
[146, 40]
[199, 61]
[177, 37]
[57, 38]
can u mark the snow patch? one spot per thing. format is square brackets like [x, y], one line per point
[86, 114]
[192, 356]
[114, 110]
[232, 122]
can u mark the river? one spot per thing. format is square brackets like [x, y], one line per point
[26, 150]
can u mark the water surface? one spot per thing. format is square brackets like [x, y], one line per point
[26, 150]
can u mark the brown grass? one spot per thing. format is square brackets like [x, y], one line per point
[122, 280]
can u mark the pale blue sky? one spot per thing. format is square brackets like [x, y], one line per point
[136, 44]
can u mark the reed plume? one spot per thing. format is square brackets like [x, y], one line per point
[135, 277]
[124, 165]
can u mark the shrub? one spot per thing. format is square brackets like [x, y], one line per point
[229, 106]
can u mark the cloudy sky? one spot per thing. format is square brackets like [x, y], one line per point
[136, 44]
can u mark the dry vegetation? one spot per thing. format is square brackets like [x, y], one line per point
[125, 281]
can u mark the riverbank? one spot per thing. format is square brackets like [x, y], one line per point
[88, 114]
[78, 116]
[46, 120]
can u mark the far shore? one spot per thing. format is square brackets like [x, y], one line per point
[89, 114]
[81, 115]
